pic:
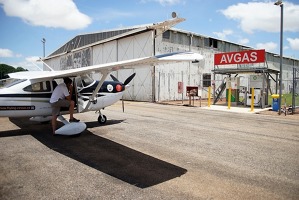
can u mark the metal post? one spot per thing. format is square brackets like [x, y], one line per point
[182, 87]
[293, 92]
[252, 100]
[209, 96]
[214, 86]
[281, 51]
[44, 47]
[229, 97]
[279, 3]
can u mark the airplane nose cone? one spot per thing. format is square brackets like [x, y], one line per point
[119, 88]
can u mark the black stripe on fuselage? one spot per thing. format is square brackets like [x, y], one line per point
[31, 95]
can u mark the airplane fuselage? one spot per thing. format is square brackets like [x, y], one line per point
[25, 98]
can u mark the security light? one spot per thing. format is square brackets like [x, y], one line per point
[277, 3]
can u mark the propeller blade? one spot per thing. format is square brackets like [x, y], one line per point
[114, 78]
[129, 79]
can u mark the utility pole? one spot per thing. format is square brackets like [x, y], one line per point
[279, 3]
[44, 47]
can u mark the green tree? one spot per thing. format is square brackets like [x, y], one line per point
[6, 69]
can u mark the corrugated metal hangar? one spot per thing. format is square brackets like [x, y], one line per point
[158, 83]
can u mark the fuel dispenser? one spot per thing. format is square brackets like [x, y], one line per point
[256, 82]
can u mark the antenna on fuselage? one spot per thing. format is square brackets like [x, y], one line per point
[40, 59]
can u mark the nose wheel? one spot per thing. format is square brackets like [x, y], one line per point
[102, 119]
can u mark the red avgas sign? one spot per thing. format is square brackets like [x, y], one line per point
[241, 57]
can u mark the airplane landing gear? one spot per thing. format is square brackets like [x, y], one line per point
[102, 119]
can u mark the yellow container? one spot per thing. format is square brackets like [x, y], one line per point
[275, 96]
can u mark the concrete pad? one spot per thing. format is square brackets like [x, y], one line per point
[246, 110]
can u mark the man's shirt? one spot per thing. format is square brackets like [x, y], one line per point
[60, 92]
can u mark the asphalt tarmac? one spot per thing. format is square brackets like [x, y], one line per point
[153, 151]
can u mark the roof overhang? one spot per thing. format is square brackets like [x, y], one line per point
[228, 71]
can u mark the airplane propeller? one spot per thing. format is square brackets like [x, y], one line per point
[114, 78]
[127, 81]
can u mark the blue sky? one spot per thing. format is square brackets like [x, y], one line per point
[249, 22]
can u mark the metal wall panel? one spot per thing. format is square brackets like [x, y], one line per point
[168, 76]
[137, 46]
[97, 54]
[105, 53]
[54, 63]
[129, 48]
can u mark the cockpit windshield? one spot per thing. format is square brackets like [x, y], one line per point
[84, 81]
[6, 83]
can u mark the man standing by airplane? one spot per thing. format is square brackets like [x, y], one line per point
[61, 97]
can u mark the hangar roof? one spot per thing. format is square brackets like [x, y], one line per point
[84, 40]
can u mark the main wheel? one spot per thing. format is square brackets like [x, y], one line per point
[102, 120]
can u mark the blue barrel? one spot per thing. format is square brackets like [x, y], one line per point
[275, 104]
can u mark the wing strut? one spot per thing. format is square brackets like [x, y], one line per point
[95, 92]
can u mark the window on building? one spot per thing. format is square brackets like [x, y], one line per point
[166, 35]
[210, 42]
[206, 80]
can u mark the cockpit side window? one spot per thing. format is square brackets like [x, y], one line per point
[39, 87]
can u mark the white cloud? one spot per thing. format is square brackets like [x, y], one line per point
[294, 43]
[6, 53]
[54, 13]
[286, 47]
[243, 41]
[109, 14]
[269, 46]
[222, 35]
[32, 59]
[263, 16]
[166, 2]
[170, 2]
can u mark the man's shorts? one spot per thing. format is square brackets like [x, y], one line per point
[58, 104]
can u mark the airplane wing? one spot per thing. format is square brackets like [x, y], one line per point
[106, 68]
[109, 67]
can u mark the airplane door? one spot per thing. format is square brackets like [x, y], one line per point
[78, 86]
[75, 94]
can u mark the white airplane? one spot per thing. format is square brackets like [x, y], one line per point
[27, 94]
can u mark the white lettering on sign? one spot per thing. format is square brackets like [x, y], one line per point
[238, 58]
[243, 57]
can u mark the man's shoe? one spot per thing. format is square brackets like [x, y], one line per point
[74, 120]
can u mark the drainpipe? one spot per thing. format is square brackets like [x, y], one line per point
[154, 35]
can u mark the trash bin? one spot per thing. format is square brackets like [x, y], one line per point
[275, 102]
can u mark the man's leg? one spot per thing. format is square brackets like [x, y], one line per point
[71, 109]
[54, 121]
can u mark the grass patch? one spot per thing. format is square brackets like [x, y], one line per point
[286, 98]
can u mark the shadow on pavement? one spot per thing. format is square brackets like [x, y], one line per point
[119, 161]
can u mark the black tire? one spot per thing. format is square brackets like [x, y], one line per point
[102, 120]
